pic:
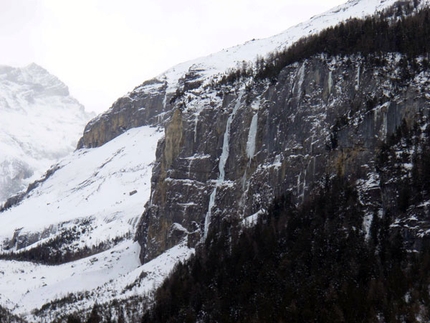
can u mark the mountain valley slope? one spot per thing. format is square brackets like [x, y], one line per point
[226, 151]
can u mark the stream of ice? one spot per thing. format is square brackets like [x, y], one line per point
[252, 135]
[301, 74]
[221, 165]
[357, 78]
[330, 81]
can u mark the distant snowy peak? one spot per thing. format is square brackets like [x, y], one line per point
[40, 122]
[229, 58]
[36, 80]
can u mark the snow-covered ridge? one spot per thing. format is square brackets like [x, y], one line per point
[203, 71]
[40, 122]
[113, 274]
[38, 80]
[229, 58]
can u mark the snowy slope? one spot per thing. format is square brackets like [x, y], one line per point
[113, 274]
[230, 58]
[101, 191]
[209, 68]
[40, 122]
[94, 186]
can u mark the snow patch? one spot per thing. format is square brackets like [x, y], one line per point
[252, 220]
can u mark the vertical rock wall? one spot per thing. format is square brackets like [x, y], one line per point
[230, 149]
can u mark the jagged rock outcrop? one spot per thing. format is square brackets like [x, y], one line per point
[148, 104]
[229, 150]
[144, 106]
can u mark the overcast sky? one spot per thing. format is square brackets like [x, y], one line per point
[102, 49]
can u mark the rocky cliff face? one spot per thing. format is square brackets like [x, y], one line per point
[146, 105]
[229, 150]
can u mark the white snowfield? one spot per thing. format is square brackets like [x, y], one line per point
[113, 274]
[102, 193]
[91, 184]
[106, 188]
[30, 286]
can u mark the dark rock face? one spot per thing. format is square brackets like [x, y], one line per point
[229, 150]
[146, 105]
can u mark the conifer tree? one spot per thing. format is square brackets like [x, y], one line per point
[94, 316]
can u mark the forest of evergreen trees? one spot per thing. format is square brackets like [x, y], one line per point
[305, 264]
[7, 317]
[58, 251]
[313, 262]
[389, 32]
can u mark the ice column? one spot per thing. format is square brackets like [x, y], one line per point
[221, 165]
[252, 135]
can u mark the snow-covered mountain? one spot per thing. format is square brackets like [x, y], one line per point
[131, 111]
[185, 152]
[232, 57]
[40, 123]
[83, 217]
